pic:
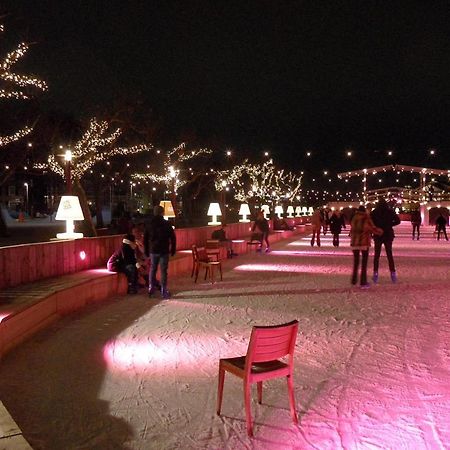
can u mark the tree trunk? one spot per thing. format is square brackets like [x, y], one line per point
[3, 226]
[99, 208]
[87, 225]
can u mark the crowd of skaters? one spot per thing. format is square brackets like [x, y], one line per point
[146, 247]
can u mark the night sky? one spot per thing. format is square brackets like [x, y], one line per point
[282, 76]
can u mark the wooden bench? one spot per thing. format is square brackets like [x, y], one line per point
[26, 309]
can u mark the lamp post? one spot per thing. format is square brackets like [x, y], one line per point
[68, 168]
[26, 196]
[223, 198]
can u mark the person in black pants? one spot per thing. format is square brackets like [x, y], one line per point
[337, 222]
[385, 218]
[416, 221]
[441, 223]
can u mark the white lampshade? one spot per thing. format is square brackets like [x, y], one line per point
[290, 211]
[214, 211]
[69, 209]
[304, 210]
[311, 210]
[168, 208]
[298, 211]
[279, 210]
[244, 211]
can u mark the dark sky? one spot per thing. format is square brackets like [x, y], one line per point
[280, 75]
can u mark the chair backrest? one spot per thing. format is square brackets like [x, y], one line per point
[212, 243]
[268, 343]
[199, 254]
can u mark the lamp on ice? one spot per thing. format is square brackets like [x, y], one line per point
[279, 211]
[168, 208]
[214, 211]
[266, 210]
[69, 210]
[244, 211]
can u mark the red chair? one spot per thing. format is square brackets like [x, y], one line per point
[202, 259]
[267, 345]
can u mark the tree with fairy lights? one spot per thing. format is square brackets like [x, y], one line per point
[97, 144]
[14, 87]
[260, 183]
[172, 172]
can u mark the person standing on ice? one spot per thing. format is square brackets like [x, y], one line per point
[316, 223]
[159, 242]
[416, 221]
[385, 218]
[337, 222]
[261, 226]
[361, 231]
[441, 223]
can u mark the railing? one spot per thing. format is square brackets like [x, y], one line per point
[25, 263]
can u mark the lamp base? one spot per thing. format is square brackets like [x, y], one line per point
[69, 235]
[244, 220]
[214, 223]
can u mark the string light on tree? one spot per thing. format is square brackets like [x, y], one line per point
[15, 85]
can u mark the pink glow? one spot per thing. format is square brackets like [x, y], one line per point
[130, 356]
[4, 315]
[100, 270]
[299, 268]
[82, 255]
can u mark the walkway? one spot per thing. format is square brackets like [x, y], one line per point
[372, 366]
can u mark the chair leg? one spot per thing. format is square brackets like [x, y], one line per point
[248, 412]
[211, 274]
[193, 270]
[220, 270]
[290, 384]
[206, 271]
[220, 389]
[197, 268]
[259, 388]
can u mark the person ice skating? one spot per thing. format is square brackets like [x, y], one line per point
[361, 230]
[159, 242]
[441, 223]
[221, 236]
[261, 226]
[385, 218]
[316, 224]
[124, 260]
[337, 222]
[416, 222]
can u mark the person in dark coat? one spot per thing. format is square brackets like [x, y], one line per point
[159, 242]
[441, 223]
[337, 222]
[416, 221]
[385, 218]
[261, 226]
[124, 260]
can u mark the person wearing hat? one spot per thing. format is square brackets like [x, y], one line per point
[159, 242]
[361, 231]
[384, 217]
[124, 260]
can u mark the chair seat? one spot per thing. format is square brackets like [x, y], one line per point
[257, 367]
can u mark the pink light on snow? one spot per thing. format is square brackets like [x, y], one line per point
[298, 268]
[157, 355]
